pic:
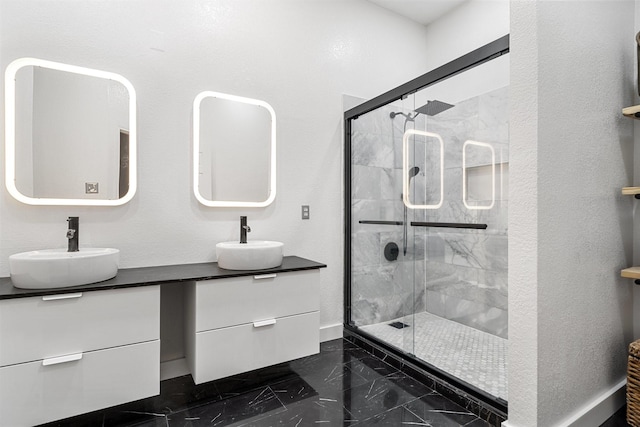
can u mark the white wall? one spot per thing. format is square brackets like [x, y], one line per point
[569, 227]
[635, 100]
[467, 27]
[299, 56]
[523, 218]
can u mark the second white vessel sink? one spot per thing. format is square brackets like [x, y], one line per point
[253, 255]
[57, 268]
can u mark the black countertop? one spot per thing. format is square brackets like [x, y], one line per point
[144, 276]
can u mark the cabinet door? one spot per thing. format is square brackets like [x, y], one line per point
[228, 351]
[42, 327]
[235, 301]
[42, 391]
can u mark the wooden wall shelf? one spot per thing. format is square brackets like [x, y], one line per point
[631, 273]
[633, 112]
[631, 191]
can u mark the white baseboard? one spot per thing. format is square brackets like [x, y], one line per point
[330, 332]
[174, 368]
[596, 411]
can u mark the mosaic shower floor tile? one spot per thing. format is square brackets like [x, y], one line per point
[476, 357]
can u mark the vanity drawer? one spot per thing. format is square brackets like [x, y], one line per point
[42, 327]
[32, 393]
[239, 300]
[228, 351]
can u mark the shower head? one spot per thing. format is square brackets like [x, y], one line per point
[431, 108]
[407, 116]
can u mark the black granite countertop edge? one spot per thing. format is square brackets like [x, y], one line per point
[145, 276]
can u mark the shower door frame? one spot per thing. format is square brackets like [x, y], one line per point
[468, 61]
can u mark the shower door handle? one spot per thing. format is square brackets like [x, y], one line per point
[380, 222]
[449, 225]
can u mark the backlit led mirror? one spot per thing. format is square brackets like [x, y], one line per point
[234, 151]
[70, 134]
[415, 140]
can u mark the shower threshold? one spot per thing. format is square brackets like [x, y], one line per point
[475, 357]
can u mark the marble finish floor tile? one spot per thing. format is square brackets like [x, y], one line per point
[430, 410]
[476, 357]
[384, 394]
[243, 409]
[343, 385]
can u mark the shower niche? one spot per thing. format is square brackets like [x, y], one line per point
[427, 167]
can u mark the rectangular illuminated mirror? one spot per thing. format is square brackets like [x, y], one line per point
[234, 151]
[70, 134]
[415, 140]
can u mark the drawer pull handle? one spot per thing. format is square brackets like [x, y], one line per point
[265, 276]
[62, 359]
[61, 296]
[262, 323]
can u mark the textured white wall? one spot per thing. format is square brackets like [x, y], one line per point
[571, 314]
[632, 76]
[523, 216]
[300, 56]
[467, 27]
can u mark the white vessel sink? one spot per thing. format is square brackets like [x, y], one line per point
[57, 268]
[253, 255]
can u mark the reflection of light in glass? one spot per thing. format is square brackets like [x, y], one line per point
[10, 132]
[196, 150]
[464, 174]
[405, 168]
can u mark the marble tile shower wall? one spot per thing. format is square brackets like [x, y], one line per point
[466, 270]
[381, 290]
[457, 274]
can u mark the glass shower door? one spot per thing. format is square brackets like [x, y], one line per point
[460, 211]
[382, 296]
[426, 182]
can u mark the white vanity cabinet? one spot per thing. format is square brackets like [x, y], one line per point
[66, 354]
[238, 324]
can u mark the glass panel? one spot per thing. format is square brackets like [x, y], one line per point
[427, 191]
[382, 288]
[463, 330]
[429, 187]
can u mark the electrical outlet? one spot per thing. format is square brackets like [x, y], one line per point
[91, 188]
[305, 211]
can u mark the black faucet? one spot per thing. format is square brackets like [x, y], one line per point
[73, 233]
[244, 229]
